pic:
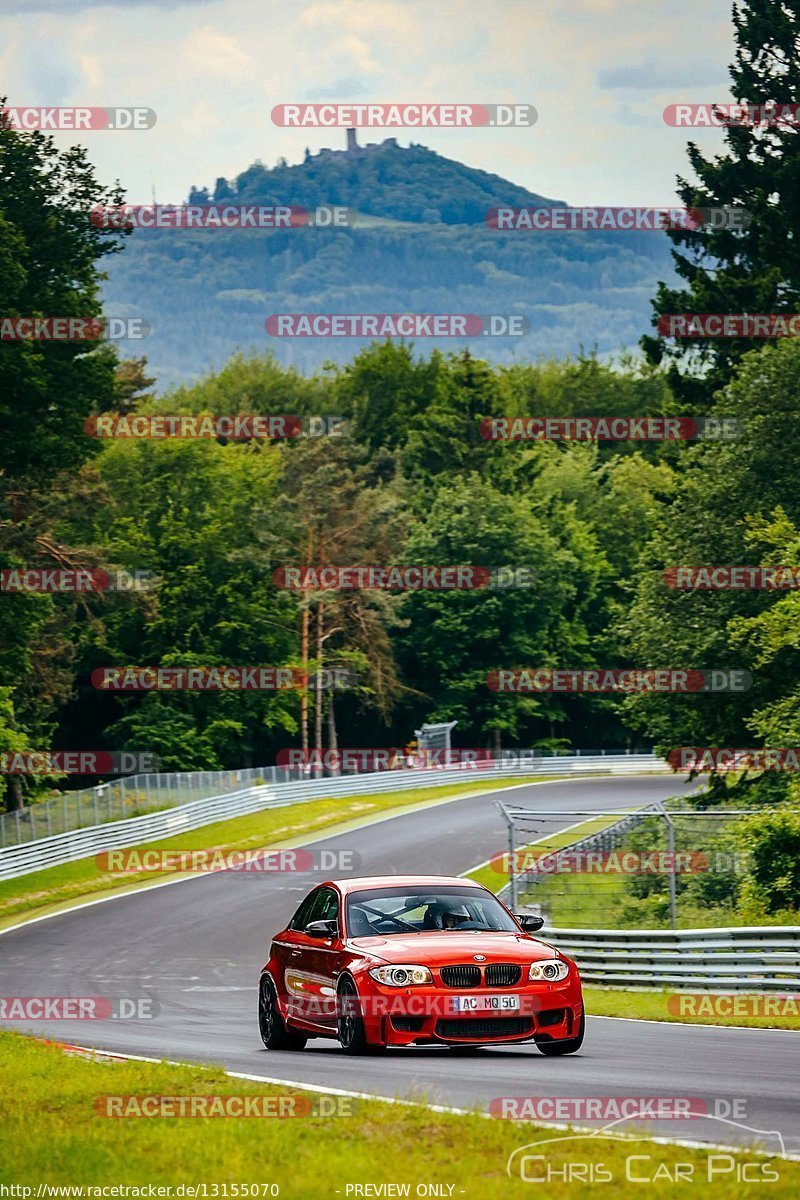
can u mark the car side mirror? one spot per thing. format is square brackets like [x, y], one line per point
[530, 924]
[322, 929]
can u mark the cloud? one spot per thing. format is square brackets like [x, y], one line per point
[346, 88]
[217, 53]
[21, 8]
[649, 75]
[49, 73]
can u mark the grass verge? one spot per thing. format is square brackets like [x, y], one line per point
[53, 1134]
[54, 887]
[757, 1010]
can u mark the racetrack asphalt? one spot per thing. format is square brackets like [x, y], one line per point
[197, 948]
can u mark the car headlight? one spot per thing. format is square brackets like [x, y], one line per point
[401, 976]
[551, 970]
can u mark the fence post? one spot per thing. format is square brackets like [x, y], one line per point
[512, 874]
[19, 834]
[673, 900]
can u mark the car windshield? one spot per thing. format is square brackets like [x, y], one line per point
[384, 911]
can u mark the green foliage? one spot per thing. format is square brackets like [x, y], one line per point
[772, 841]
[756, 270]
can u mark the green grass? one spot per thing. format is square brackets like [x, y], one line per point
[654, 1005]
[58, 886]
[51, 1133]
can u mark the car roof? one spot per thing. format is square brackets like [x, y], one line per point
[391, 881]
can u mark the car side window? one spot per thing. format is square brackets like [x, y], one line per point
[301, 917]
[325, 906]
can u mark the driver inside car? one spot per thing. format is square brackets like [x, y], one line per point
[440, 916]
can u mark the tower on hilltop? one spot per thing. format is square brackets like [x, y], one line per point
[352, 142]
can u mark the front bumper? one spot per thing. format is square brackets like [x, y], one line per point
[405, 1016]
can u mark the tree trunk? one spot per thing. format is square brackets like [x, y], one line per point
[304, 638]
[14, 797]
[332, 738]
[304, 657]
[319, 697]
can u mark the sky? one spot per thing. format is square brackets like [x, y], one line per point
[599, 72]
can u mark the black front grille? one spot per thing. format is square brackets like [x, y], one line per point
[551, 1016]
[483, 1027]
[502, 974]
[408, 1024]
[463, 976]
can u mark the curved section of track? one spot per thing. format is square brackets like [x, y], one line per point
[197, 948]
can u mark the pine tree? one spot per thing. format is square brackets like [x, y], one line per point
[752, 270]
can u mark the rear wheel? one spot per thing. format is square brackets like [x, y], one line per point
[271, 1024]
[565, 1045]
[349, 1022]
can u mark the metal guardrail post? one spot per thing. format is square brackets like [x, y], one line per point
[673, 897]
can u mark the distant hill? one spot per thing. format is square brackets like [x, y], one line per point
[421, 245]
[406, 184]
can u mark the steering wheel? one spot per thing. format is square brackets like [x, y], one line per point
[397, 922]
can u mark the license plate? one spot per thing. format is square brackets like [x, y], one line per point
[470, 1004]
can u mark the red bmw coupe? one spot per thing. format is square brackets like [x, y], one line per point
[423, 960]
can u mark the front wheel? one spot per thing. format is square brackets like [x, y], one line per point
[349, 1022]
[565, 1045]
[271, 1025]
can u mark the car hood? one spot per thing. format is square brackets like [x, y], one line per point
[434, 948]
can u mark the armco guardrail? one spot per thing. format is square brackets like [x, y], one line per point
[756, 959]
[134, 795]
[116, 835]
